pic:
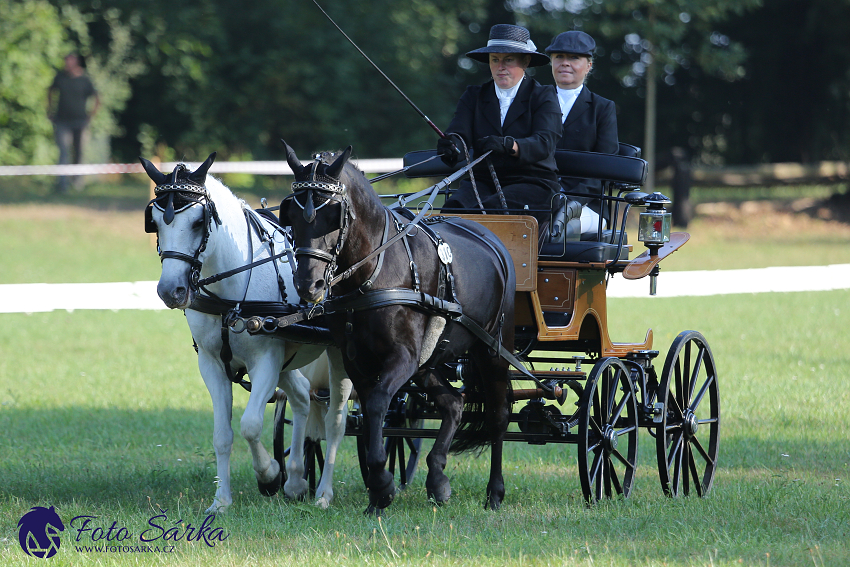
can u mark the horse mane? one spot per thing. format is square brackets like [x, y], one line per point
[221, 194]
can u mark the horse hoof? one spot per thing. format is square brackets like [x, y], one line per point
[440, 491]
[383, 495]
[271, 488]
[373, 510]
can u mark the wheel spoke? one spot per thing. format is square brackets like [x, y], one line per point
[677, 468]
[608, 477]
[693, 466]
[611, 392]
[622, 459]
[595, 427]
[685, 387]
[402, 465]
[619, 410]
[684, 463]
[615, 480]
[675, 450]
[600, 480]
[595, 465]
[695, 373]
[673, 404]
[696, 401]
[702, 451]
[390, 449]
[625, 430]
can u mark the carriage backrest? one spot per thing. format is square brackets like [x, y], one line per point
[605, 167]
[626, 167]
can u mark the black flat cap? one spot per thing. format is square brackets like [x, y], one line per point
[573, 41]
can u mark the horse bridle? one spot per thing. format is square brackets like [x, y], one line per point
[192, 194]
[332, 191]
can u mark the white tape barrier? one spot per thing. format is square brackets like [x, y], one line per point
[34, 298]
[253, 167]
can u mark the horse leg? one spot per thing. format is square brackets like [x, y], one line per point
[335, 421]
[221, 392]
[449, 403]
[263, 373]
[497, 419]
[380, 482]
[297, 389]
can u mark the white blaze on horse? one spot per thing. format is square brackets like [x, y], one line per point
[218, 260]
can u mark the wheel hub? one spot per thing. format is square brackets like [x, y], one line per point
[691, 423]
[609, 438]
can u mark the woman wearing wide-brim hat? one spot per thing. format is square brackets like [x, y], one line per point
[514, 116]
[589, 120]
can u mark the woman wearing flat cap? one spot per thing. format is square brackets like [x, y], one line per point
[514, 116]
[589, 121]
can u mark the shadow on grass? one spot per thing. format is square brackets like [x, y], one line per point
[113, 455]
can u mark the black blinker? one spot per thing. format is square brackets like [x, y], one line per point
[168, 214]
[150, 226]
[309, 209]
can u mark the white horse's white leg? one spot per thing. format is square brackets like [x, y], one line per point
[335, 420]
[263, 374]
[221, 392]
[297, 389]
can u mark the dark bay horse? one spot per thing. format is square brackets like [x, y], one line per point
[388, 337]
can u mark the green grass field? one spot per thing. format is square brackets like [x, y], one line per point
[104, 414]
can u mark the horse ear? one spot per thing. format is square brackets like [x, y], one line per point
[335, 168]
[199, 176]
[156, 175]
[292, 159]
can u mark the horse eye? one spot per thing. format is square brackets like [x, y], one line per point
[197, 224]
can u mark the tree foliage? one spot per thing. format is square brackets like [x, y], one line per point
[32, 39]
[737, 82]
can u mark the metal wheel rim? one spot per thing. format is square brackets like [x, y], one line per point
[687, 440]
[608, 432]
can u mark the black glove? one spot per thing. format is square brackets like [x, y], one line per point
[448, 152]
[497, 144]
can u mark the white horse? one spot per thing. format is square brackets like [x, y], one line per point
[203, 230]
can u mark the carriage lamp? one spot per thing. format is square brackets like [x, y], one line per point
[654, 223]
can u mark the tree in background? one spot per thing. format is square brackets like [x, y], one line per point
[221, 76]
[32, 43]
[656, 38]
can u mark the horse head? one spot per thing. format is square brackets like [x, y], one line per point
[181, 214]
[320, 215]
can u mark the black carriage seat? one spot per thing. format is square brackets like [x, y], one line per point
[613, 171]
[568, 245]
[565, 223]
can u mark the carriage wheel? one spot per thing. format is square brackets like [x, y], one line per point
[403, 412]
[608, 432]
[689, 434]
[313, 456]
[280, 453]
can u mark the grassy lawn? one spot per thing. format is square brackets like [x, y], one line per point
[104, 414]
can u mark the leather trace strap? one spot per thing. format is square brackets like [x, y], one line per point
[433, 190]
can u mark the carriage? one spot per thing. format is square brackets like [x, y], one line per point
[577, 386]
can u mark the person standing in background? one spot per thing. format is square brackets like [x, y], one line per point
[71, 116]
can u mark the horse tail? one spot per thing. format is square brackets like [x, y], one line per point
[475, 430]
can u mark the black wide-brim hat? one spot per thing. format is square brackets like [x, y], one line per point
[505, 38]
[575, 41]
